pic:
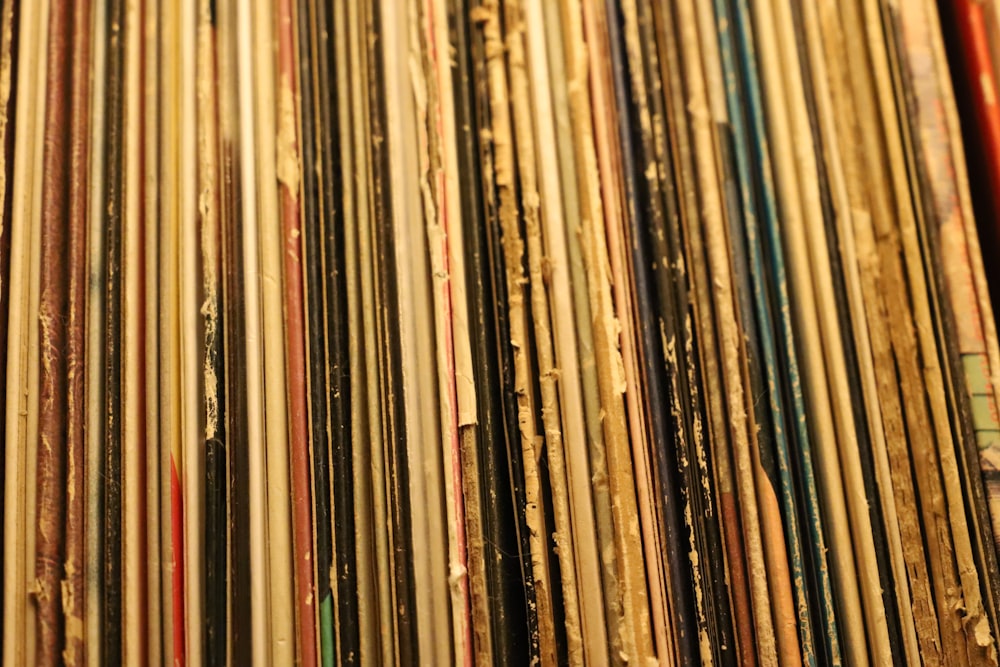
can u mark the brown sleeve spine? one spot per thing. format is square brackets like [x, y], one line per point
[288, 176]
[73, 585]
[52, 340]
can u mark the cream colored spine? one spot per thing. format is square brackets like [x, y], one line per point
[17, 618]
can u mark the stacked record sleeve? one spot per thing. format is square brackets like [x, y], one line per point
[499, 332]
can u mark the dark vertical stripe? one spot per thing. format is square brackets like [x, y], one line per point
[317, 370]
[215, 540]
[338, 336]
[112, 472]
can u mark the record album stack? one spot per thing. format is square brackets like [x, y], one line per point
[500, 332]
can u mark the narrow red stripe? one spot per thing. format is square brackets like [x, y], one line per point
[177, 545]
